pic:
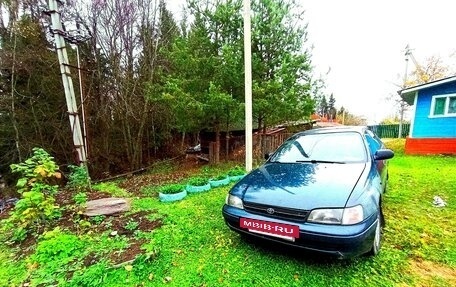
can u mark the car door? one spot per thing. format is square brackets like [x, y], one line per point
[375, 144]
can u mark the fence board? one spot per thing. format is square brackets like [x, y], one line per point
[390, 131]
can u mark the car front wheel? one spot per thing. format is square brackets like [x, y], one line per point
[376, 244]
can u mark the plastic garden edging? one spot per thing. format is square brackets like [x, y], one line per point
[236, 177]
[195, 189]
[165, 197]
[220, 182]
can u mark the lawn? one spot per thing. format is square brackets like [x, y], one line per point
[191, 245]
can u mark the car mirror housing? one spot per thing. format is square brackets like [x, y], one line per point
[267, 156]
[382, 154]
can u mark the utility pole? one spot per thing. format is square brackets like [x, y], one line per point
[248, 87]
[402, 103]
[59, 33]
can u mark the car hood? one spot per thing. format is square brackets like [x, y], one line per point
[301, 185]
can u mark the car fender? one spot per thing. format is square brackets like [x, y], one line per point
[367, 192]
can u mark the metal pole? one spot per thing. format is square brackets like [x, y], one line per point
[248, 87]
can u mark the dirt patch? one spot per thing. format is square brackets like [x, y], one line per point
[128, 254]
[128, 224]
[427, 270]
[186, 168]
[125, 225]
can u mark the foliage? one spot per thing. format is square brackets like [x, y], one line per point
[172, 188]
[150, 79]
[198, 181]
[112, 188]
[396, 145]
[55, 254]
[37, 204]
[219, 177]
[57, 246]
[345, 117]
[281, 65]
[237, 170]
[79, 177]
[431, 69]
[131, 225]
[97, 219]
[80, 198]
[40, 168]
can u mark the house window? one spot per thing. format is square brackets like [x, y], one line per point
[443, 105]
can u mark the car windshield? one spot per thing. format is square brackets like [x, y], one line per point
[330, 147]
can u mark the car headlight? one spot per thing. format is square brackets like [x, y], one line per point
[344, 216]
[353, 215]
[234, 201]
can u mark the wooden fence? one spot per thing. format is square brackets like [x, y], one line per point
[390, 131]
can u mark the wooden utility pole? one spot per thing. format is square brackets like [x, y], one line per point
[75, 125]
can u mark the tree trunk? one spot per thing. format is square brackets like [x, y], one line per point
[217, 144]
[13, 104]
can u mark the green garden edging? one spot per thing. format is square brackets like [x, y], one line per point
[169, 197]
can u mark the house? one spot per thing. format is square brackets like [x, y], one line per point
[433, 125]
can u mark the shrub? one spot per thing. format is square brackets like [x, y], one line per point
[80, 198]
[237, 170]
[219, 177]
[39, 168]
[37, 204]
[172, 188]
[131, 225]
[79, 177]
[198, 181]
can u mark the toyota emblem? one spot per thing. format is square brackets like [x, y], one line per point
[270, 210]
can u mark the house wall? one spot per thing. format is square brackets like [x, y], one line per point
[427, 127]
[430, 146]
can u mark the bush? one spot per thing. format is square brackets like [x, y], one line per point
[219, 177]
[198, 181]
[40, 168]
[79, 177]
[172, 188]
[37, 204]
[237, 170]
[80, 198]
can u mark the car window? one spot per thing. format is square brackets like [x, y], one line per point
[340, 147]
[373, 142]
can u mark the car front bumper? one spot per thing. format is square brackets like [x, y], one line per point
[341, 241]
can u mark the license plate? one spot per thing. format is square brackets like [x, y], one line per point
[280, 230]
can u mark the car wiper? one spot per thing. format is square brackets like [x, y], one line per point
[321, 161]
[278, 161]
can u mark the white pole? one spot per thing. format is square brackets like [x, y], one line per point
[248, 87]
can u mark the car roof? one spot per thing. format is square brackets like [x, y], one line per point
[337, 129]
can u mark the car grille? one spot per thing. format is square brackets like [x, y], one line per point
[279, 212]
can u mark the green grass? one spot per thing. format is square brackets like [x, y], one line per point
[195, 248]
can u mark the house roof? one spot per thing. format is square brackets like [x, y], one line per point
[408, 94]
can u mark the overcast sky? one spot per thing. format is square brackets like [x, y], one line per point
[362, 44]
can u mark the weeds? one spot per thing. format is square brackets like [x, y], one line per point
[131, 225]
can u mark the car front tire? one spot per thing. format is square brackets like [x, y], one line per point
[376, 244]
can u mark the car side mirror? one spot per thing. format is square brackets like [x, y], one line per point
[382, 154]
[267, 155]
